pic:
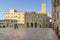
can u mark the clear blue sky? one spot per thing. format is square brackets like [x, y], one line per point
[23, 5]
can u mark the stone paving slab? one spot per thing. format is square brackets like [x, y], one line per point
[27, 34]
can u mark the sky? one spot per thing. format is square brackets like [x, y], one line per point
[23, 5]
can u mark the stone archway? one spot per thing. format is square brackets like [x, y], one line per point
[3, 26]
[35, 25]
[27, 24]
[31, 24]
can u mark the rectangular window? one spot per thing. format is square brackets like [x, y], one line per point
[11, 17]
[19, 17]
[19, 14]
[11, 20]
[15, 16]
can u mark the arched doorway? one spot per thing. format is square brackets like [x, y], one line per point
[3, 26]
[35, 25]
[28, 25]
[31, 24]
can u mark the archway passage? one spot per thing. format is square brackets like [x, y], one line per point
[35, 25]
[31, 24]
[3, 26]
[28, 25]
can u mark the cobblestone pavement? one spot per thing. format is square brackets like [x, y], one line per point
[27, 34]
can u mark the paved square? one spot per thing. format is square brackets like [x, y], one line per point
[27, 34]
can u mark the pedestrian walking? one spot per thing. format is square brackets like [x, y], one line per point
[16, 26]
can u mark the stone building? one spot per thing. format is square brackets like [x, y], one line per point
[27, 19]
[2, 23]
[13, 17]
[33, 19]
[56, 15]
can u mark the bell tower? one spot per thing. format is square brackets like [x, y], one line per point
[43, 7]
